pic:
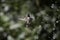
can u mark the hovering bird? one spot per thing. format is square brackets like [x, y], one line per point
[27, 19]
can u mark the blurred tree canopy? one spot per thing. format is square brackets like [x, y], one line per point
[45, 14]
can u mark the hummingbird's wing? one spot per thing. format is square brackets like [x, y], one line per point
[22, 19]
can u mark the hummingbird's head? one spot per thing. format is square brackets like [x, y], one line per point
[28, 15]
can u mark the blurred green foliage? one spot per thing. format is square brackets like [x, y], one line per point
[45, 18]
